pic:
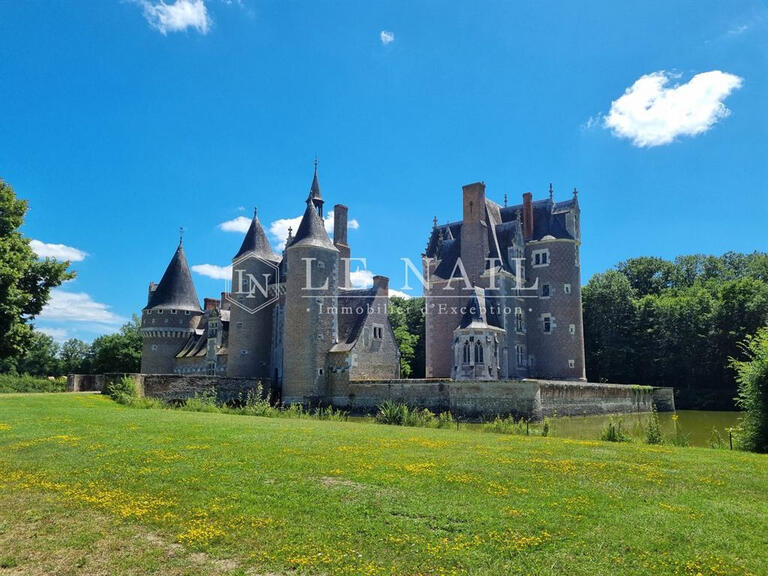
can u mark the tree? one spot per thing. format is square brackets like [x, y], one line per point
[25, 281]
[75, 357]
[41, 357]
[609, 315]
[120, 352]
[407, 319]
[752, 377]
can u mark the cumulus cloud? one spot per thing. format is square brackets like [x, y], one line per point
[239, 224]
[361, 278]
[78, 307]
[57, 251]
[213, 271]
[278, 229]
[399, 294]
[177, 16]
[386, 37]
[653, 112]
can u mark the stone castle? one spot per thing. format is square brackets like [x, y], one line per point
[502, 295]
[292, 321]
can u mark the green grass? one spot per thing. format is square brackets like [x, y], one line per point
[115, 489]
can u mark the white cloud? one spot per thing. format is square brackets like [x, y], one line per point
[177, 16]
[361, 278]
[386, 37]
[78, 307]
[279, 228]
[652, 113]
[399, 294]
[57, 251]
[58, 334]
[239, 224]
[213, 271]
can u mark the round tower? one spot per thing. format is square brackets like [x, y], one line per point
[170, 317]
[255, 270]
[311, 301]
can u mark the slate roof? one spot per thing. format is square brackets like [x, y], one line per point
[312, 230]
[351, 324]
[549, 219]
[479, 312]
[255, 241]
[176, 289]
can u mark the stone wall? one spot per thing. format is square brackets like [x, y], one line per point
[534, 399]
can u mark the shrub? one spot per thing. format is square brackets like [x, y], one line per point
[445, 420]
[653, 428]
[395, 413]
[545, 428]
[614, 432]
[122, 391]
[680, 438]
[330, 413]
[24, 383]
[752, 378]
[507, 425]
[716, 439]
[256, 404]
[202, 402]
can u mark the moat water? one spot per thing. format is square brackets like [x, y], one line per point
[700, 427]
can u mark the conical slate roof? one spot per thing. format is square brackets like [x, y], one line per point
[176, 289]
[312, 230]
[256, 241]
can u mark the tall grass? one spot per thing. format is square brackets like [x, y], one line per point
[10, 383]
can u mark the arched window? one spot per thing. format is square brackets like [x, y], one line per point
[478, 353]
[466, 353]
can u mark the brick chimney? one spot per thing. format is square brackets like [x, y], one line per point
[211, 303]
[528, 215]
[381, 283]
[340, 214]
[474, 202]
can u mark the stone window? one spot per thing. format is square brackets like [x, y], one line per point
[520, 354]
[566, 288]
[174, 311]
[159, 311]
[243, 352]
[478, 353]
[466, 356]
[378, 332]
[519, 325]
[571, 363]
[547, 320]
[546, 290]
[149, 311]
[186, 312]
[540, 258]
[572, 329]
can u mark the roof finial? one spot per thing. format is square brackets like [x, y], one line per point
[575, 192]
[316, 162]
[434, 222]
[505, 200]
[290, 231]
[181, 236]
[255, 211]
[551, 192]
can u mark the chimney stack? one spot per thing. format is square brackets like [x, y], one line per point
[381, 283]
[528, 215]
[474, 202]
[211, 303]
[340, 214]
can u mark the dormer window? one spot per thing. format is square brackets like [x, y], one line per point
[174, 311]
[159, 311]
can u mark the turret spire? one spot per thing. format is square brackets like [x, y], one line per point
[255, 241]
[176, 289]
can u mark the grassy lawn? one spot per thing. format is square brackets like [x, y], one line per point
[91, 487]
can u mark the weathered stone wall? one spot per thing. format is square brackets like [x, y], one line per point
[468, 399]
[529, 398]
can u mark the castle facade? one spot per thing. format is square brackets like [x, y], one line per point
[292, 321]
[503, 300]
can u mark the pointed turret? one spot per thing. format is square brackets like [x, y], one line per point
[255, 241]
[314, 194]
[312, 230]
[176, 290]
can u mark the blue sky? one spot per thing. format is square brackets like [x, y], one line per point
[124, 120]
